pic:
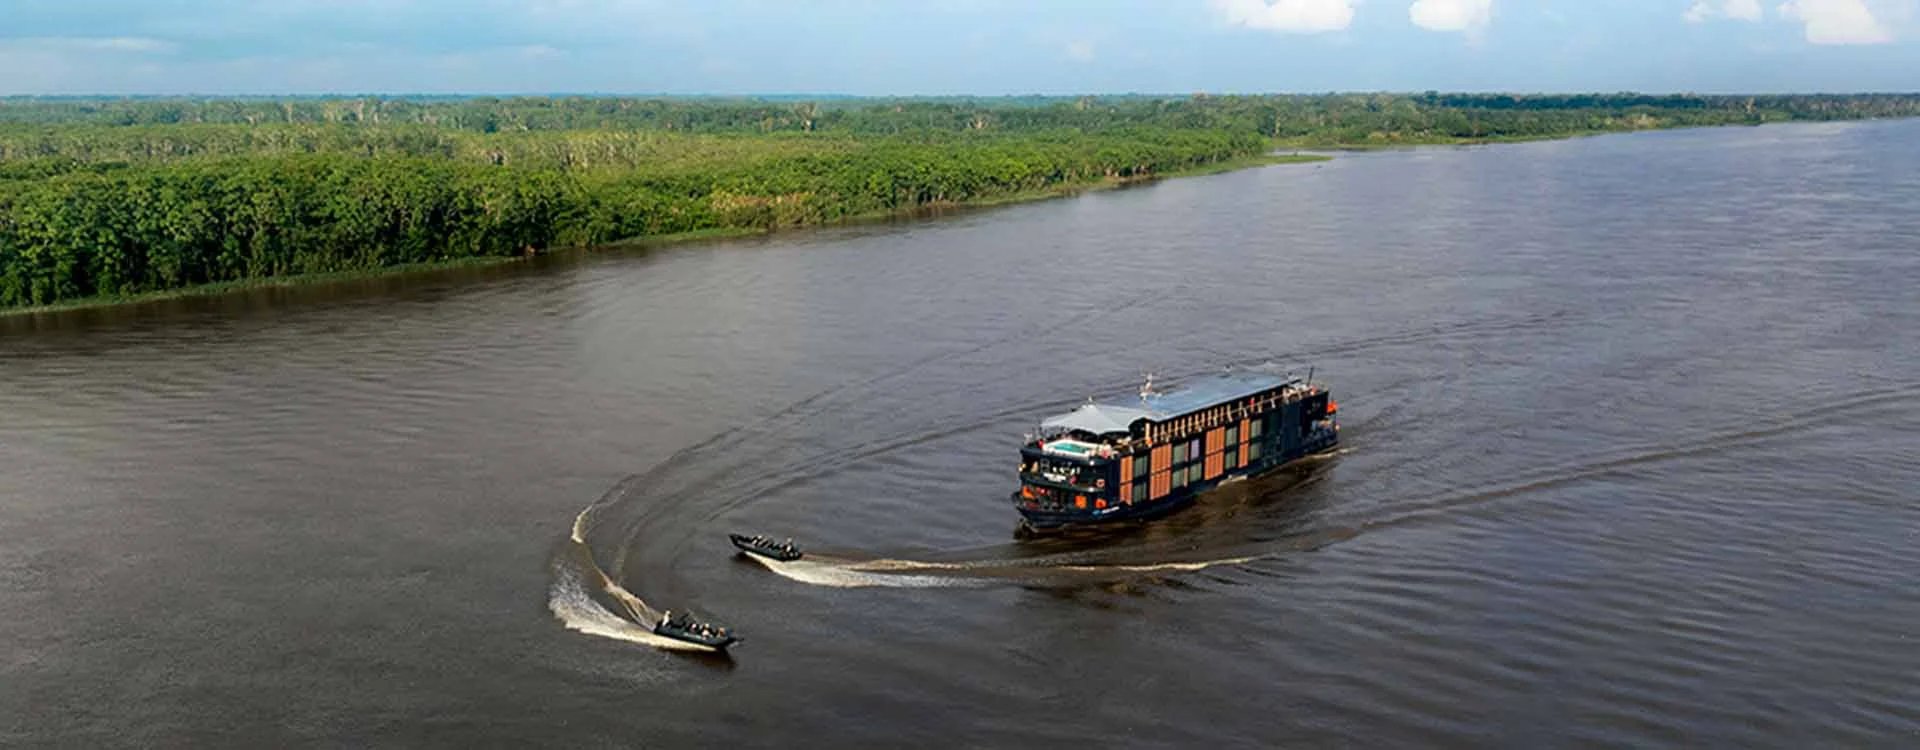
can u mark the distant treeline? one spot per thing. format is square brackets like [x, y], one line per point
[121, 196]
[1324, 118]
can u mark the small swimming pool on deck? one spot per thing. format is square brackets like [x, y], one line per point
[1072, 448]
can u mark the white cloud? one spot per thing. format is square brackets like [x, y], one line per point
[1743, 10]
[1451, 15]
[1837, 21]
[1298, 16]
[1739, 10]
[1080, 50]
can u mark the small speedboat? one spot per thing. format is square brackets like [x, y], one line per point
[684, 628]
[765, 547]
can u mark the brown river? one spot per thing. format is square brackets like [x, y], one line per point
[1631, 456]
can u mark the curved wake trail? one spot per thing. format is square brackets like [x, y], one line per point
[586, 599]
[572, 598]
[1442, 506]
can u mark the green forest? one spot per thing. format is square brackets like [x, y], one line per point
[112, 198]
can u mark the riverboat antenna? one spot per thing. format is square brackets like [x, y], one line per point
[1309, 374]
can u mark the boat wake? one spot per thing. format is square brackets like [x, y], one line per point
[586, 600]
[1638, 457]
[637, 536]
[821, 571]
[893, 573]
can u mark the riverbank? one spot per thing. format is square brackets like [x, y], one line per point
[655, 240]
[1427, 141]
[1431, 140]
[246, 285]
[98, 228]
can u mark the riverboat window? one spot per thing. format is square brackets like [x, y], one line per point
[1142, 465]
[1233, 434]
[1253, 429]
[1233, 459]
[1054, 466]
[1179, 478]
[1253, 452]
[1047, 497]
[1194, 449]
[1140, 490]
[1180, 453]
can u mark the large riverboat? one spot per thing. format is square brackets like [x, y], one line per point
[1102, 463]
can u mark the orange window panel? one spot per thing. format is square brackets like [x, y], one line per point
[1215, 465]
[1216, 438]
[1126, 471]
[1162, 459]
[1243, 454]
[1162, 483]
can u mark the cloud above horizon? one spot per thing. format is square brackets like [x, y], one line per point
[1837, 21]
[1739, 10]
[1823, 22]
[1295, 16]
[1451, 15]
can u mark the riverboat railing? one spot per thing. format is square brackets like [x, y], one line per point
[1187, 426]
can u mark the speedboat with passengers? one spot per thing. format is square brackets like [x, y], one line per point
[766, 547]
[683, 627]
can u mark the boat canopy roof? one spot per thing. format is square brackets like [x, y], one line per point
[1190, 396]
[1099, 419]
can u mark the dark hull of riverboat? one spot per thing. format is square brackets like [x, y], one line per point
[1038, 521]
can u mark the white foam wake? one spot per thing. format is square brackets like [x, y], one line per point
[1167, 567]
[845, 576]
[571, 600]
[914, 574]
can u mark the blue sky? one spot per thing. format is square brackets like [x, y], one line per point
[954, 46]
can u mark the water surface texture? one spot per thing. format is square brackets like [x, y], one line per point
[1631, 450]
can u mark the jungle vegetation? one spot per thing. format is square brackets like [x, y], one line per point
[108, 198]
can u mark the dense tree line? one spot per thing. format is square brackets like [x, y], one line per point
[121, 196]
[73, 228]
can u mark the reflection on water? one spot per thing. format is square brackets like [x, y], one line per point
[1629, 450]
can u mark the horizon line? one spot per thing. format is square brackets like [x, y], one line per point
[764, 96]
